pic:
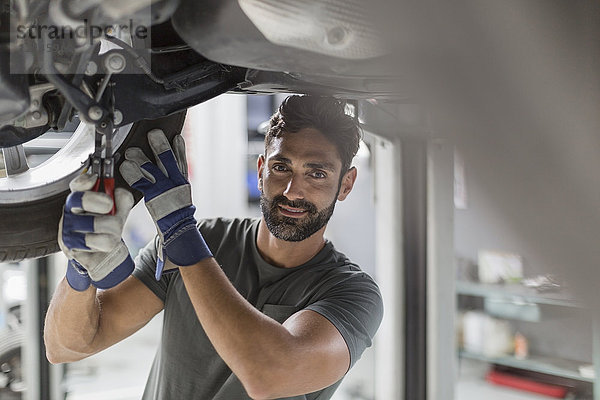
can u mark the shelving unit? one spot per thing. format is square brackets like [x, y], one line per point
[546, 365]
[516, 291]
[520, 295]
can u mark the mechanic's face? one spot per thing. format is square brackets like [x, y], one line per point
[300, 182]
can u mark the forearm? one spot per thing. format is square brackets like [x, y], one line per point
[253, 345]
[71, 324]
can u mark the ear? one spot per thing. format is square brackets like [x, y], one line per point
[347, 183]
[260, 163]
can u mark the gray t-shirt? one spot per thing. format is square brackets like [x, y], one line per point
[186, 365]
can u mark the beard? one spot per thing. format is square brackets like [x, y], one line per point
[294, 229]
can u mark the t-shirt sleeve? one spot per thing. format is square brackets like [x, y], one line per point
[145, 270]
[355, 307]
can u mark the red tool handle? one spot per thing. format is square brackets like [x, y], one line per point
[108, 187]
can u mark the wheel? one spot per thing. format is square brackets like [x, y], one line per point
[11, 374]
[31, 201]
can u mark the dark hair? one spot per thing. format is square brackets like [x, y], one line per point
[324, 114]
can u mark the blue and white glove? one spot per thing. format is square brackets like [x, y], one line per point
[168, 197]
[91, 238]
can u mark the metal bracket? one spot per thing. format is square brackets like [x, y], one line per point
[36, 114]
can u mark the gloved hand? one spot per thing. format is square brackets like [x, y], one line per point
[168, 197]
[91, 238]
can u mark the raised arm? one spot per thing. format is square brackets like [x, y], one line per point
[272, 360]
[82, 320]
[80, 324]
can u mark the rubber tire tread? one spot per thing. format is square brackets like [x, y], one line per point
[11, 344]
[29, 229]
[11, 340]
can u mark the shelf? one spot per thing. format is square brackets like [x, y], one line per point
[545, 365]
[516, 292]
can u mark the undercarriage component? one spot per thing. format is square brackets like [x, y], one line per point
[31, 124]
[142, 98]
[208, 25]
[14, 96]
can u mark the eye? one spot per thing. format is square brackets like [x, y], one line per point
[279, 167]
[318, 174]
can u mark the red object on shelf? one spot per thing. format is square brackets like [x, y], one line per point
[518, 382]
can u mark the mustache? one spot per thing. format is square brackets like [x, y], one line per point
[282, 200]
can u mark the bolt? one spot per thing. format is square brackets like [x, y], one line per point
[36, 115]
[95, 113]
[117, 117]
[115, 62]
[103, 125]
[336, 36]
[91, 68]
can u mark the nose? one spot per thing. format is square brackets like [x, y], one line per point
[294, 189]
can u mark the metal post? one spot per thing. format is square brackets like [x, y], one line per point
[442, 361]
[596, 354]
[414, 216]
[389, 341]
[36, 366]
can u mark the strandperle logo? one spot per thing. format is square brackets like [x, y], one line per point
[86, 31]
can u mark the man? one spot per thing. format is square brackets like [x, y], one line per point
[260, 308]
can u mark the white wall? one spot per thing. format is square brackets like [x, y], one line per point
[216, 141]
[352, 226]
[216, 137]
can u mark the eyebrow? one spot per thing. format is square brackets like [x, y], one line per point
[281, 158]
[319, 165]
[315, 164]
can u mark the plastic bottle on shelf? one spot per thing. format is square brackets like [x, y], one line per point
[521, 346]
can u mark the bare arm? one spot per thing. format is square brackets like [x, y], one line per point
[79, 324]
[305, 354]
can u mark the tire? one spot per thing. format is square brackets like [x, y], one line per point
[11, 374]
[29, 229]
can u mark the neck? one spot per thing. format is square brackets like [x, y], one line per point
[286, 254]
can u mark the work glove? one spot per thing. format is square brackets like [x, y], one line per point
[91, 238]
[168, 197]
